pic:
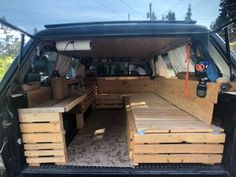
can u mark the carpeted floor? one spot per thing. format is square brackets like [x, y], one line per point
[102, 142]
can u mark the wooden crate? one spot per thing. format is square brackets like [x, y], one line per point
[159, 132]
[43, 138]
[109, 101]
[178, 148]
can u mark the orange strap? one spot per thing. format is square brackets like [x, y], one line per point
[186, 87]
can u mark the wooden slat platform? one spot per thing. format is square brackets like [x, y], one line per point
[109, 101]
[159, 132]
[154, 114]
[56, 105]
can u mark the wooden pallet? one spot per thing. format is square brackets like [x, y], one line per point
[159, 132]
[43, 138]
[109, 101]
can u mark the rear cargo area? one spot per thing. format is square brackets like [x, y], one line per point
[137, 104]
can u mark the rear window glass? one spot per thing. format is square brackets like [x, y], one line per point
[122, 68]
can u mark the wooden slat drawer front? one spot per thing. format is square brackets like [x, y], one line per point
[35, 153]
[40, 127]
[41, 146]
[38, 160]
[178, 158]
[39, 117]
[180, 137]
[179, 148]
[43, 137]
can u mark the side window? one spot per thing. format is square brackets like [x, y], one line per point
[41, 68]
[219, 61]
[72, 72]
[122, 68]
[9, 47]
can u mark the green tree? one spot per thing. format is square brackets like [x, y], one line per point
[5, 62]
[188, 16]
[153, 16]
[170, 16]
[227, 12]
[9, 47]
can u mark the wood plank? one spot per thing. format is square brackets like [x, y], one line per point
[124, 85]
[33, 153]
[43, 146]
[40, 127]
[178, 84]
[198, 107]
[43, 137]
[160, 116]
[180, 137]
[32, 160]
[71, 102]
[39, 117]
[56, 105]
[178, 148]
[178, 158]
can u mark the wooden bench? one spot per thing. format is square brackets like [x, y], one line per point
[159, 132]
[43, 131]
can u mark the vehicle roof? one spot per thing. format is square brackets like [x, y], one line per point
[120, 29]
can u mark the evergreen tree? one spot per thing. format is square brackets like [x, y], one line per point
[170, 16]
[153, 16]
[188, 16]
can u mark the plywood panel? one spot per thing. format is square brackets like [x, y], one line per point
[172, 91]
[124, 84]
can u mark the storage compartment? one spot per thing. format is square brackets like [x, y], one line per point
[162, 133]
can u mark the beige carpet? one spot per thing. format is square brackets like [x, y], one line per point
[102, 142]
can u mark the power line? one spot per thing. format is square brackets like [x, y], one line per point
[107, 8]
[129, 7]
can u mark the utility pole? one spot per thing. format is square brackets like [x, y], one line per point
[128, 16]
[150, 11]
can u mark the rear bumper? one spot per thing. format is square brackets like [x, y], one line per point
[143, 170]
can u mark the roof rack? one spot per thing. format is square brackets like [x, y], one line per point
[115, 22]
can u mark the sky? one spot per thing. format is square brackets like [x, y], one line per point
[30, 14]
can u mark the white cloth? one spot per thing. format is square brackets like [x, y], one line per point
[141, 71]
[177, 59]
[63, 65]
